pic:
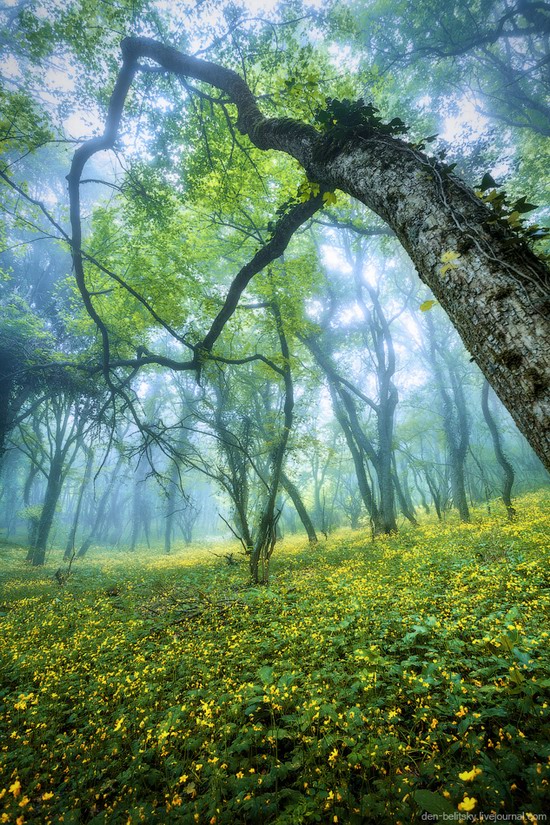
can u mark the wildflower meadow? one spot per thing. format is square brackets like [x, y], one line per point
[399, 680]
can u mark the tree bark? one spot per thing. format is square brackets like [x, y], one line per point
[407, 507]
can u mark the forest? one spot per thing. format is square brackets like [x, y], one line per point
[274, 411]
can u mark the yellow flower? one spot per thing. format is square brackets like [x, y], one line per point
[467, 804]
[15, 789]
[47, 795]
[469, 776]
[333, 757]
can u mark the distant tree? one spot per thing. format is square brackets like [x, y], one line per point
[507, 468]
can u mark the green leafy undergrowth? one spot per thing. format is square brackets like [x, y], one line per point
[370, 682]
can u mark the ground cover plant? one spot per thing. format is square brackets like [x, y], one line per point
[369, 682]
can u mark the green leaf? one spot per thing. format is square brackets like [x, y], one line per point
[487, 182]
[433, 803]
[426, 305]
[266, 674]
[521, 205]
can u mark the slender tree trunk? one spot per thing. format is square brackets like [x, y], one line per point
[140, 515]
[266, 536]
[458, 489]
[406, 509]
[170, 504]
[358, 463]
[386, 483]
[70, 549]
[434, 491]
[455, 425]
[292, 491]
[421, 492]
[6, 389]
[100, 512]
[508, 470]
[29, 481]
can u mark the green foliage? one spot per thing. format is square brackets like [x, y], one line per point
[23, 126]
[343, 116]
[370, 682]
[345, 120]
[509, 213]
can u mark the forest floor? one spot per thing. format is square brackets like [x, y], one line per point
[397, 681]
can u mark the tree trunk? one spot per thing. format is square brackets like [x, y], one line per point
[455, 423]
[404, 500]
[170, 504]
[51, 497]
[100, 512]
[266, 535]
[420, 491]
[69, 548]
[360, 472]
[6, 389]
[300, 507]
[508, 470]
[434, 491]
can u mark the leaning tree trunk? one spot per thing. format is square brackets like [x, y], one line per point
[508, 470]
[292, 491]
[495, 292]
[359, 465]
[434, 492]
[405, 503]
